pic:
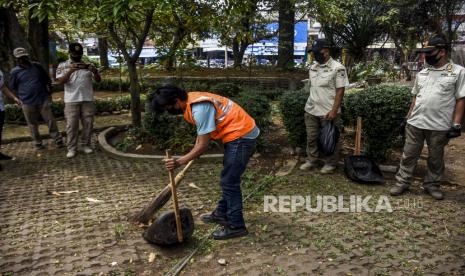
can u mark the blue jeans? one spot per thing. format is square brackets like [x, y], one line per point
[236, 156]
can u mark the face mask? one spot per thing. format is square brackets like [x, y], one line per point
[433, 59]
[23, 61]
[319, 57]
[174, 111]
[76, 59]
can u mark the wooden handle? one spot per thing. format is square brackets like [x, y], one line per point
[146, 214]
[175, 200]
[358, 136]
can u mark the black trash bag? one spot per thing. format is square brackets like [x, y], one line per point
[329, 136]
[163, 229]
[363, 170]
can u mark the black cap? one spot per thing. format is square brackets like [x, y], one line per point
[75, 48]
[433, 44]
[319, 44]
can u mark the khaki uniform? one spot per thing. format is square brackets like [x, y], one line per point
[79, 105]
[436, 91]
[323, 81]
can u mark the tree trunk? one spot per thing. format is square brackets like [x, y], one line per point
[403, 60]
[38, 38]
[235, 48]
[103, 52]
[286, 34]
[12, 36]
[134, 88]
[171, 56]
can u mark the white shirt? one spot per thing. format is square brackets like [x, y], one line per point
[78, 88]
[323, 81]
[436, 91]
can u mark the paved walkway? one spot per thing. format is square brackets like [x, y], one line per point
[44, 234]
[71, 234]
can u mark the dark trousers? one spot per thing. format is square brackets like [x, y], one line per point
[2, 120]
[236, 156]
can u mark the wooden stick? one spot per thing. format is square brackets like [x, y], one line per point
[358, 136]
[146, 214]
[175, 200]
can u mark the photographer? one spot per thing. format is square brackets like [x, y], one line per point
[76, 76]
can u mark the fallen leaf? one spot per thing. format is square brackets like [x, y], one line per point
[93, 200]
[192, 185]
[222, 261]
[151, 257]
[68, 192]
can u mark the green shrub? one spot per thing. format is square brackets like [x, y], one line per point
[14, 113]
[58, 109]
[273, 94]
[292, 106]
[226, 89]
[111, 85]
[257, 106]
[62, 55]
[382, 109]
[195, 86]
[110, 104]
[378, 67]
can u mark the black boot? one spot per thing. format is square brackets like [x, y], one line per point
[214, 218]
[5, 157]
[435, 193]
[229, 232]
[397, 190]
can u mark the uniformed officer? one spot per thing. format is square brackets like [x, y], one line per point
[435, 115]
[327, 82]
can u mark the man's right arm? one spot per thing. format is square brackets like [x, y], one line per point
[412, 105]
[63, 74]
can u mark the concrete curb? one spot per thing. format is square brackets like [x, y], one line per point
[112, 152]
[47, 136]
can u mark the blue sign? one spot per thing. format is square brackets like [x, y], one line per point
[269, 47]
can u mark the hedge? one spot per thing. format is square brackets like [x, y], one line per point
[292, 106]
[109, 105]
[111, 85]
[382, 108]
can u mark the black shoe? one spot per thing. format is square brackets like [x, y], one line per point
[214, 218]
[39, 147]
[4, 157]
[435, 193]
[398, 190]
[229, 232]
[60, 144]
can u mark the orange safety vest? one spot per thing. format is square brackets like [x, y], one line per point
[232, 122]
